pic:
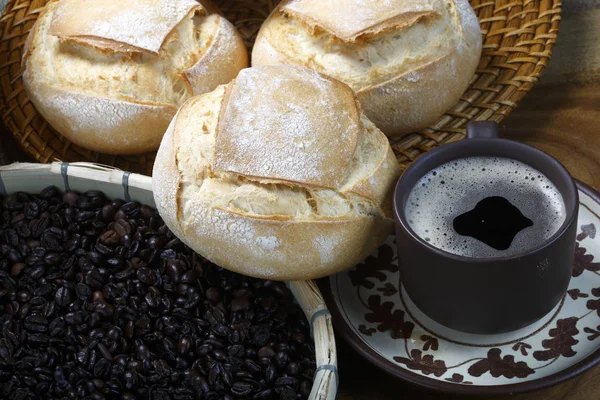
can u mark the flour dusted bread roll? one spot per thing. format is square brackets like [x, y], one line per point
[409, 61]
[110, 74]
[277, 175]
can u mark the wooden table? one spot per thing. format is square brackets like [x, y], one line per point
[562, 117]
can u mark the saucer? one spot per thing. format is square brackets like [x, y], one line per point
[379, 320]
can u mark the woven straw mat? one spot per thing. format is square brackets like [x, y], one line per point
[518, 40]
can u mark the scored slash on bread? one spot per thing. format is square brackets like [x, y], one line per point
[350, 21]
[408, 61]
[277, 175]
[110, 75]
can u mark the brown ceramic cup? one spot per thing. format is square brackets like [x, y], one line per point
[486, 295]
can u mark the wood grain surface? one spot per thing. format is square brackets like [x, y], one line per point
[560, 116]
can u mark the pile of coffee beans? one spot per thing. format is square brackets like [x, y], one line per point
[99, 300]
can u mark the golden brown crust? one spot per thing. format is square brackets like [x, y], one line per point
[98, 123]
[283, 250]
[264, 53]
[141, 25]
[349, 20]
[376, 187]
[430, 90]
[226, 56]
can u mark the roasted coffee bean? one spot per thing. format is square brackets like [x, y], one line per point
[124, 274]
[240, 304]
[36, 323]
[292, 369]
[213, 294]
[70, 198]
[286, 381]
[24, 311]
[113, 304]
[110, 238]
[146, 276]
[108, 213]
[263, 395]
[62, 296]
[305, 388]
[83, 291]
[23, 296]
[241, 389]
[266, 352]
[130, 209]
[286, 393]
[16, 269]
[282, 359]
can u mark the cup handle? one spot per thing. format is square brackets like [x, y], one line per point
[482, 130]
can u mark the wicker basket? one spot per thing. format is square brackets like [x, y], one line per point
[518, 40]
[33, 178]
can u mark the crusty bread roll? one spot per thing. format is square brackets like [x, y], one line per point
[408, 61]
[110, 75]
[277, 175]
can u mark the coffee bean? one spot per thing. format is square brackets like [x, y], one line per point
[108, 213]
[35, 323]
[130, 209]
[286, 381]
[122, 227]
[23, 296]
[266, 352]
[62, 296]
[281, 359]
[240, 304]
[110, 238]
[213, 294]
[71, 198]
[252, 366]
[113, 304]
[83, 291]
[146, 276]
[155, 242]
[263, 395]
[16, 269]
[241, 389]
[286, 393]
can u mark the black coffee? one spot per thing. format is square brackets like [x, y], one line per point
[494, 221]
[485, 207]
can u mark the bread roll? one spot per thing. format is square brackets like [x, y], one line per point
[408, 61]
[110, 75]
[278, 175]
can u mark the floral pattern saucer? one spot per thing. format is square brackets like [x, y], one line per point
[380, 321]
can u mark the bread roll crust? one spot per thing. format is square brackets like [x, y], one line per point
[127, 65]
[227, 50]
[99, 123]
[352, 21]
[407, 67]
[254, 120]
[271, 225]
[133, 25]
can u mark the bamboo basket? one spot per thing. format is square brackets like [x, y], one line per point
[33, 178]
[518, 36]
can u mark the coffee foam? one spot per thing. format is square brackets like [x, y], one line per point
[456, 187]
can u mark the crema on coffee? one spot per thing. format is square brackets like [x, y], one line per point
[485, 207]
